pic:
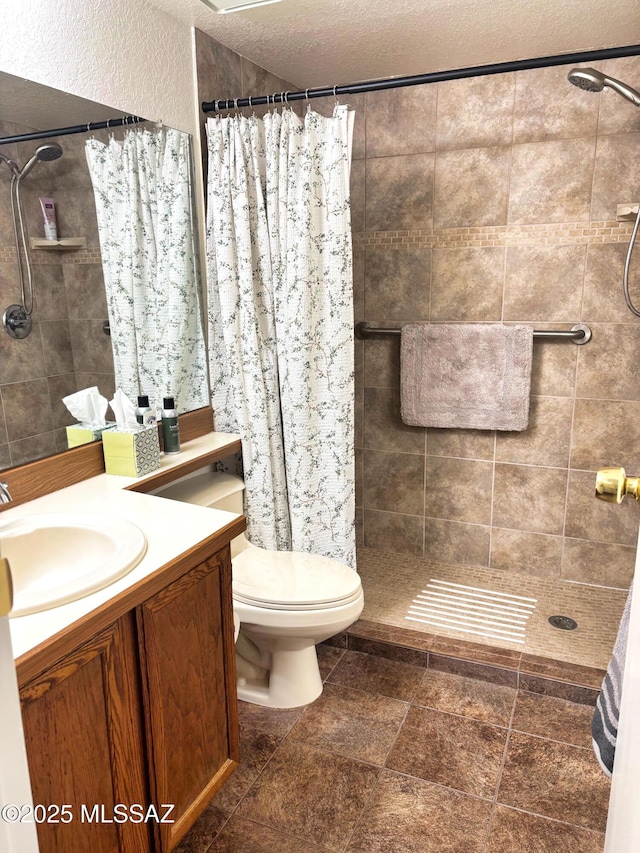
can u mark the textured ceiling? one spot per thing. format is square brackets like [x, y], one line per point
[36, 106]
[327, 42]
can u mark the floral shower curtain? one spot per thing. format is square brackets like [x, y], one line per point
[143, 194]
[279, 273]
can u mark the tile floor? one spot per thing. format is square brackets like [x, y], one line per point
[400, 758]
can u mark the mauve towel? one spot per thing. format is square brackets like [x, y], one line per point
[466, 376]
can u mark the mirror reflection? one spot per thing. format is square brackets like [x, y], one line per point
[125, 252]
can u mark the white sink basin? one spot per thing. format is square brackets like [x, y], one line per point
[60, 557]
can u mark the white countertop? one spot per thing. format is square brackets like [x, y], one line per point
[170, 527]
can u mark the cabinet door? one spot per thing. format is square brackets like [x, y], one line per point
[188, 664]
[85, 747]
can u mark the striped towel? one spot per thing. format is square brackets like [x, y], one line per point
[604, 727]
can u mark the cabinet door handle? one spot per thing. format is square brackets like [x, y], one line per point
[6, 587]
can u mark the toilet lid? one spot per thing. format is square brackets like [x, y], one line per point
[292, 580]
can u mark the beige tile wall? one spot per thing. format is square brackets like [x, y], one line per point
[494, 200]
[67, 349]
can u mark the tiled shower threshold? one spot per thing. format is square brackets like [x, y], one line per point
[565, 664]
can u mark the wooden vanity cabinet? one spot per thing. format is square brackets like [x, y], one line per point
[142, 713]
[85, 745]
[189, 692]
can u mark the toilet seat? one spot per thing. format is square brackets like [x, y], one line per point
[292, 580]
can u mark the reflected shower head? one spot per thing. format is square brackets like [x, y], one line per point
[45, 153]
[595, 81]
[587, 78]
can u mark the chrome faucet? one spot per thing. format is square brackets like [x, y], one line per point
[5, 494]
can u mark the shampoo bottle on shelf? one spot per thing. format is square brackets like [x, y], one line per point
[145, 415]
[170, 427]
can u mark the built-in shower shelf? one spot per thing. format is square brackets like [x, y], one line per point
[64, 244]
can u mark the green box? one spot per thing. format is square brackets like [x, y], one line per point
[78, 434]
[131, 452]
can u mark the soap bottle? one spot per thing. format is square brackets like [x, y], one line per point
[170, 427]
[144, 413]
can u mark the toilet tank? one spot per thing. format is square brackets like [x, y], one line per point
[214, 489]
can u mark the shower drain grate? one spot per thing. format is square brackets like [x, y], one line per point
[565, 623]
[472, 610]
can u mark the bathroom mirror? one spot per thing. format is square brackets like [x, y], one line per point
[68, 348]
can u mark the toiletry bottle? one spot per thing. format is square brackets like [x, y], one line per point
[170, 427]
[49, 214]
[143, 409]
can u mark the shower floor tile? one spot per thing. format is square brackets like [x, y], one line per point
[392, 581]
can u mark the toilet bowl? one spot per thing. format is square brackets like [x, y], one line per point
[286, 602]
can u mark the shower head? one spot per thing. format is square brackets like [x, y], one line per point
[595, 81]
[45, 153]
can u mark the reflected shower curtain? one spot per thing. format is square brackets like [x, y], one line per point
[279, 273]
[143, 194]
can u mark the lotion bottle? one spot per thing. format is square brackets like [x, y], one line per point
[170, 427]
[144, 413]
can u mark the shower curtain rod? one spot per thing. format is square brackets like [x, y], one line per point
[76, 128]
[418, 79]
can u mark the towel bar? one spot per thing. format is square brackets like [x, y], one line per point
[579, 334]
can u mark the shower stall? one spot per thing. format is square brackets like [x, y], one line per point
[17, 317]
[490, 196]
[493, 200]
[52, 296]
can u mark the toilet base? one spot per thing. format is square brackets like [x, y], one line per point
[292, 680]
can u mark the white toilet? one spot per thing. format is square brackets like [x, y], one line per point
[286, 601]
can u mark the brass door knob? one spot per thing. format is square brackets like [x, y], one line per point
[612, 484]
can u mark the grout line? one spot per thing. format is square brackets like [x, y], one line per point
[494, 804]
[383, 768]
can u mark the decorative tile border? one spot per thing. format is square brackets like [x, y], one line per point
[554, 234]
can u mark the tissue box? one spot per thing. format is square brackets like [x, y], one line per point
[131, 453]
[79, 434]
